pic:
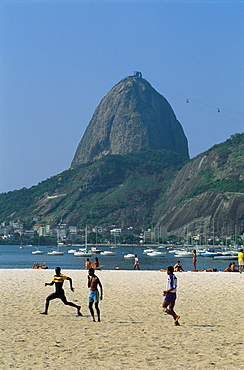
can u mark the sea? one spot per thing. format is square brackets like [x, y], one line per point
[14, 257]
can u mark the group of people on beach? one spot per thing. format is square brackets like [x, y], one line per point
[94, 282]
[94, 296]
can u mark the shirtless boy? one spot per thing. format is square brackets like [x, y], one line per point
[93, 282]
[170, 295]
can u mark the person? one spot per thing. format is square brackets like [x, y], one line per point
[170, 295]
[87, 264]
[206, 270]
[58, 280]
[93, 282]
[231, 268]
[136, 263]
[194, 259]
[241, 260]
[95, 264]
[178, 267]
[42, 266]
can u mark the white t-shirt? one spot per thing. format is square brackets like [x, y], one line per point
[171, 283]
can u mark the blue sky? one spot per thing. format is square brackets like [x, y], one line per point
[60, 58]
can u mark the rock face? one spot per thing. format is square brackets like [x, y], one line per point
[132, 117]
[207, 193]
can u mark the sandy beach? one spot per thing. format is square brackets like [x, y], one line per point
[134, 332]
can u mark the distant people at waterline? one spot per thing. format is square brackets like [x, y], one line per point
[43, 266]
[178, 267]
[194, 259]
[136, 263]
[241, 260]
[87, 264]
[231, 268]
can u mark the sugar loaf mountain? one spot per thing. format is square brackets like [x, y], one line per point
[132, 169]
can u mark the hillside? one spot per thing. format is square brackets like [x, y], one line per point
[207, 194]
[120, 190]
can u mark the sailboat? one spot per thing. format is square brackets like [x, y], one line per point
[83, 252]
[56, 252]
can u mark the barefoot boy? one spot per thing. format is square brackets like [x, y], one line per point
[170, 295]
[93, 282]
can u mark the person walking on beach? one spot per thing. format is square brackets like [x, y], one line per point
[170, 295]
[136, 263]
[95, 264]
[58, 280]
[93, 282]
[194, 259]
[241, 260]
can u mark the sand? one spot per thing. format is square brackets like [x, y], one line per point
[134, 332]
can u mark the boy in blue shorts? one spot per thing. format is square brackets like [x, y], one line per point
[170, 295]
[93, 282]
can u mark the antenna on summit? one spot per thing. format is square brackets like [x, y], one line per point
[137, 74]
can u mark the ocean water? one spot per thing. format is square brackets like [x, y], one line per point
[12, 257]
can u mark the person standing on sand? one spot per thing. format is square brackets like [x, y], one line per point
[136, 263]
[241, 260]
[93, 282]
[170, 295]
[58, 280]
[194, 259]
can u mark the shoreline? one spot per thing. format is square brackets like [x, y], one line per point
[134, 332]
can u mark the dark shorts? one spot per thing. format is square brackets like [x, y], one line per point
[170, 297]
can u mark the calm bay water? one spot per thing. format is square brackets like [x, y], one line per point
[12, 257]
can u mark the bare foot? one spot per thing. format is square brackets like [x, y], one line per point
[176, 320]
[43, 313]
[78, 311]
[176, 323]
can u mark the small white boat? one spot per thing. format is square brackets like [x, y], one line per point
[129, 255]
[211, 254]
[225, 257]
[149, 250]
[81, 253]
[183, 254]
[37, 251]
[156, 254]
[55, 253]
[108, 253]
[72, 250]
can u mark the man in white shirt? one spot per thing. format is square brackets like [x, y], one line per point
[170, 295]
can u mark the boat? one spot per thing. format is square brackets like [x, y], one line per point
[183, 254]
[72, 250]
[37, 251]
[108, 253]
[129, 255]
[226, 257]
[156, 254]
[149, 250]
[55, 253]
[83, 252]
[95, 250]
[211, 253]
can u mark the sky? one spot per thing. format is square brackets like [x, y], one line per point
[58, 59]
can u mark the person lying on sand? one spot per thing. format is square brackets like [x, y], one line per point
[37, 266]
[205, 270]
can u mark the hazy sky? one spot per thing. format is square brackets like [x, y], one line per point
[60, 58]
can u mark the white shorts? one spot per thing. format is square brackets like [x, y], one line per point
[241, 263]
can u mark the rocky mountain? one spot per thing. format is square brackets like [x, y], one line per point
[132, 117]
[207, 194]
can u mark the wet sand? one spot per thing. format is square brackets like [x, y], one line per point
[134, 332]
